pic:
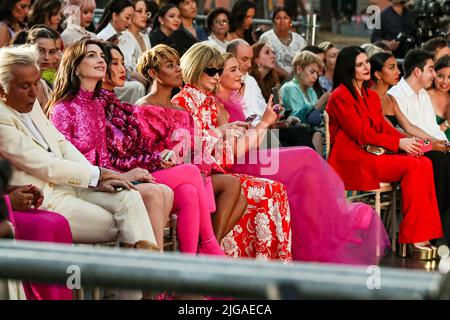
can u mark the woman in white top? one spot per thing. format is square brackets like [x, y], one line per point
[114, 24]
[218, 22]
[137, 29]
[80, 14]
[284, 42]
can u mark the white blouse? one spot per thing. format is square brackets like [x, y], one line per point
[284, 54]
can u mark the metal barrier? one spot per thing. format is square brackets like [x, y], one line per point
[242, 278]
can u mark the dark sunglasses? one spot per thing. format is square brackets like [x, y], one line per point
[213, 71]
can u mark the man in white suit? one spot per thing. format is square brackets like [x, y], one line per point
[86, 195]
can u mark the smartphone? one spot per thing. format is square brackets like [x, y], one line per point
[168, 155]
[426, 145]
[251, 118]
[276, 96]
[286, 114]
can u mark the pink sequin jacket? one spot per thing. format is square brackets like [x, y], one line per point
[82, 121]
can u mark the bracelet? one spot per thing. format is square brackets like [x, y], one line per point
[447, 124]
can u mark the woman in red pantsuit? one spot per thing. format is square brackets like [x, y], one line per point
[356, 122]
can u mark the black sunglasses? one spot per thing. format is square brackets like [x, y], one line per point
[213, 71]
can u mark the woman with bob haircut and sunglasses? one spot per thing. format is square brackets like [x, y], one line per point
[324, 227]
[268, 208]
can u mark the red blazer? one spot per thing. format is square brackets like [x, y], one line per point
[354, 124]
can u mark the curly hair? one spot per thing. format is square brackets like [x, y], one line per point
[152, 59]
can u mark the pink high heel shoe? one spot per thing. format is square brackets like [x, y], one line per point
[210, 247]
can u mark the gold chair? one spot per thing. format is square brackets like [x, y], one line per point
[385, 197]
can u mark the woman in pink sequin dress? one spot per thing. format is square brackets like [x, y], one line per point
[80, 115]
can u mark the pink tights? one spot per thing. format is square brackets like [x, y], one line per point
[192, 207]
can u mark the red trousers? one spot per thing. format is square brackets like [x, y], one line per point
[421, 219]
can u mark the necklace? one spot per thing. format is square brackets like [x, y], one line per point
[305, 92]
[286, 41]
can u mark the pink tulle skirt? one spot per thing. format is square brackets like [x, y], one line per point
[325, 228]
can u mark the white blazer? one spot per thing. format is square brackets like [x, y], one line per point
[32, 164]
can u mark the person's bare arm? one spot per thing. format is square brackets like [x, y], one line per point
[409, 128]
[5, 37]
[322, 102]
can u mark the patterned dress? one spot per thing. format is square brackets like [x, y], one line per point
[264, 231]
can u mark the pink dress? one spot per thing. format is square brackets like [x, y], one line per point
[42, 226]
[325, 228]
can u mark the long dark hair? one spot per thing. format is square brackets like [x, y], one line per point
[67, 83]
[42, 9]
[238, 14]
[113, 6]
[161, 13]
[107, 49]
[6, 9]
[344, 71]
[377, 62]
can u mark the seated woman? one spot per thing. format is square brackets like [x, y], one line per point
[385, 74]
[79, 15]
[80, 117]
[331, 53]
[33, 224]
[45, 41]
[166, 30]
[218, 22]
[440, 93]
[299, 96]
[13, 17]
[285, 42]
[129, 148]
[268, 208]
[263, 68]
[159, 120]
[324, 227]
[291, 132]
[356, 125]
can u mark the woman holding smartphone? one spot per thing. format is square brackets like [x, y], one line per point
[324, 227]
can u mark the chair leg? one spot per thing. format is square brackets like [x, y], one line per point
[378, 202]
[394, 220]
[173, 237]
